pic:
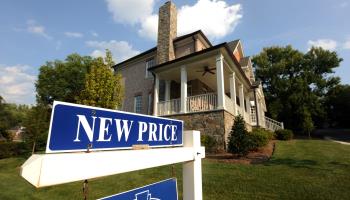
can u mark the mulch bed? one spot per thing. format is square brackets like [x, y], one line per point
[261, 155]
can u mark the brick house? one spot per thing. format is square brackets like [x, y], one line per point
[191, 79]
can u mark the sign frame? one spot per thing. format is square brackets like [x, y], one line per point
[48, 150]
[159, 182]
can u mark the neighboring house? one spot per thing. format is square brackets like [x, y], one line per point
[17, 133]
[190, 79]
[2, 138]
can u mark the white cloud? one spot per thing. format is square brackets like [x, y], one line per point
[34, 28]
[347, 44]
[215, 17]
[130, 11]
[17, 84]
[327, 44]
[121, 50]
[73, 34]
[149, 27]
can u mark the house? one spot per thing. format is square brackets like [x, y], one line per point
[17, 133]
[191, 79]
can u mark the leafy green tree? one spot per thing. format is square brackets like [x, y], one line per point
[102, 87]
[296, 84]
[37, 126]
[338, 106]
[239, 140]
[11, 115]
[62, 80]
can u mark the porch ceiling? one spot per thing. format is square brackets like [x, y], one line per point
[195, 71]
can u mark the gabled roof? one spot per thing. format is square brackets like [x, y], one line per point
[233, 44]
[224, 45]
[135, 57]
[155, 48]
[192, 34]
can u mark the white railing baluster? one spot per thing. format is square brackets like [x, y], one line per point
[272, 124]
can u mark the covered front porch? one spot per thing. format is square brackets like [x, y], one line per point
[206, 82]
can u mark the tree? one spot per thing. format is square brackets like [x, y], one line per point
[37, 126]
[296, 84]
[102, 87]
[338, 106]
[62, 80]
[239, 140]
[11, 115]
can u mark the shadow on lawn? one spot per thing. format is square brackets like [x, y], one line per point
[293, 163]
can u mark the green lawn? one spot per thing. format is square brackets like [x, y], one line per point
[299, 169]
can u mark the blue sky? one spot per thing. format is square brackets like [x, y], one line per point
[33, 32]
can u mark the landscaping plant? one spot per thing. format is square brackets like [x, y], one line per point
[239, 139]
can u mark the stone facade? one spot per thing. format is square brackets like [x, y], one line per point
[167, 31]
[209, 123]
[217, 124]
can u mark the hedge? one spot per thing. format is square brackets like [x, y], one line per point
[11, 149]
[284, 134]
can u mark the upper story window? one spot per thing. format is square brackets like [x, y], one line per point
[138, 104]
[149, 63]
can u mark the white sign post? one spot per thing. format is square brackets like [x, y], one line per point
[87, 142]
[52, 169]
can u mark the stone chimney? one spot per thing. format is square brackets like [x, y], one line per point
[167, 31]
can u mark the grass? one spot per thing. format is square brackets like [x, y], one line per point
[299, 169]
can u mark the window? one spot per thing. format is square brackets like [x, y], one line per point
[149, 63]
[138, 104]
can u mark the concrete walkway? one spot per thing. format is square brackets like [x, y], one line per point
[340, 142]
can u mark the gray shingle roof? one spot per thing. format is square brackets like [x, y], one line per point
[233, 44]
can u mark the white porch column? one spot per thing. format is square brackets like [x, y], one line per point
[241, 99]
[249, 111]
[183, 89]
[156, 95]
[220, 81]
[233, 92]
[167, 90]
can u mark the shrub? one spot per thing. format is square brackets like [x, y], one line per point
[268, 133]
[209, 142]
[11, 149]
[258, 138]
[239, 140]
[284, 134]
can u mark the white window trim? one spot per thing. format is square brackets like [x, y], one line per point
[135, 103]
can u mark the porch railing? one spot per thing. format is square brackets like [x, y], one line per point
[202, 102]
[169, 107]
[229, 104]
[272, 124]
[253, 115]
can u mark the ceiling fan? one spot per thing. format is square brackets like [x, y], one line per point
[206, 69]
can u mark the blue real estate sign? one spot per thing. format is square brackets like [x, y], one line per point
[76, 128]
[164, 190]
